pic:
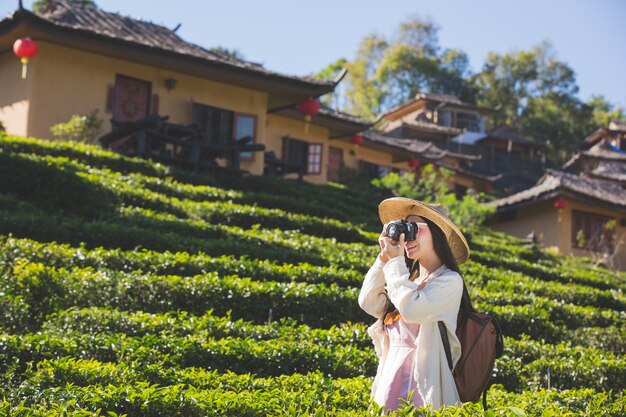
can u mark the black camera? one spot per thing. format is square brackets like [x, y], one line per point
[395, 229]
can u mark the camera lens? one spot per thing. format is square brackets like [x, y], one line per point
[391, 230]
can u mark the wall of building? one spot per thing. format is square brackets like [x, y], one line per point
[541, 218]
[554, 230]
[618, 233]
[80, 80]
[14, 93]
[278, 127]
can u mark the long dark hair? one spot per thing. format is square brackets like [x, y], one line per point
[443, 251]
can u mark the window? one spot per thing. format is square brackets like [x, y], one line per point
[314, 160]
[216, 123]
[445, 118]
[224, 126]
[590, 232]
[245, 126]
[507, 216]
[368, 169]
[308, 155]
[468, 121]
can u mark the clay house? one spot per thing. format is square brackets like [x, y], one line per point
[504, 151]
[480, 159]
[171, 100]
[602, 155]
[580, 210]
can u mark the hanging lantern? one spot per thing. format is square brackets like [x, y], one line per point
[560, 204]
[309, 108]
[488, 188]
[413, 163]
[25, 48]
[356, 139]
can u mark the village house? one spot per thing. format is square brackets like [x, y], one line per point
[165, 98]
[580, 210]
[480, 159]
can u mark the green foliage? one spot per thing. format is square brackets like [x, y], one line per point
[430, 186]
[227, 53]
[386, 73]
[604, 111]
[537, 93]
[166, 298]
[80, 128]
[531, 89]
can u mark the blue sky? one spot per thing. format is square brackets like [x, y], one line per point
[297, 37]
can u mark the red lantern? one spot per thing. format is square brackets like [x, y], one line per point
[25, 48]
[356, 139]
[560, 204]
[414, 163]
[309, 108]
[488, 187]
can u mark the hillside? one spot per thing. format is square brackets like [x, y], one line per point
[131, 288]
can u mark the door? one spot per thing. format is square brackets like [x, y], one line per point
[334, 163]
[132, 99]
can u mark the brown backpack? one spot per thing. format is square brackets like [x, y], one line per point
[481, 344]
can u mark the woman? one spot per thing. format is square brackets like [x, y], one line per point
[410, 287]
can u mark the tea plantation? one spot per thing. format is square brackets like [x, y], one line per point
[130, 288]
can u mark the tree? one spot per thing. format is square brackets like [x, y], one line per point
[536, 93]
[337, 99]
[364, 92]
[386, 73]
[604, 111]
[532, 90]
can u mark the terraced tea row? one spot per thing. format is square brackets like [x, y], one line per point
[280, 396]
[524, 365]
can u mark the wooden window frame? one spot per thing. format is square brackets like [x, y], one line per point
[314, 167]
[287, 143]
[255, 119]
[588, 222]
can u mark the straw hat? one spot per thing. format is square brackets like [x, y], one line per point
[397, 208]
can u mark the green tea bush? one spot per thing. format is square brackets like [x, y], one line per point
[158, 291]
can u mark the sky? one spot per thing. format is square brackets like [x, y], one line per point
[299, 37]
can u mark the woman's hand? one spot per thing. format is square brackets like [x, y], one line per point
[389, 248]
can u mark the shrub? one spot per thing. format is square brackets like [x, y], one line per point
[80, 128]
[431, 187]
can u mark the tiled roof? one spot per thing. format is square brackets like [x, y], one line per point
[87, 18]
[554, 183]
[415, 124]
[505, 133]
[470, 173]
[614, 171]
[598, 152]
[327, 111]
[454, 101]
[442, 98]
[411, 145]
[427, 149]
[618, 125]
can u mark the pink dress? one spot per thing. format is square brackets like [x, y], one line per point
[397, 378]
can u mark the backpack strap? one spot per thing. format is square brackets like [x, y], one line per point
[446, 342]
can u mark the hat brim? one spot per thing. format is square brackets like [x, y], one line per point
[397, 208]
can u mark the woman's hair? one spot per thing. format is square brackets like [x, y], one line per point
[443, 251]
